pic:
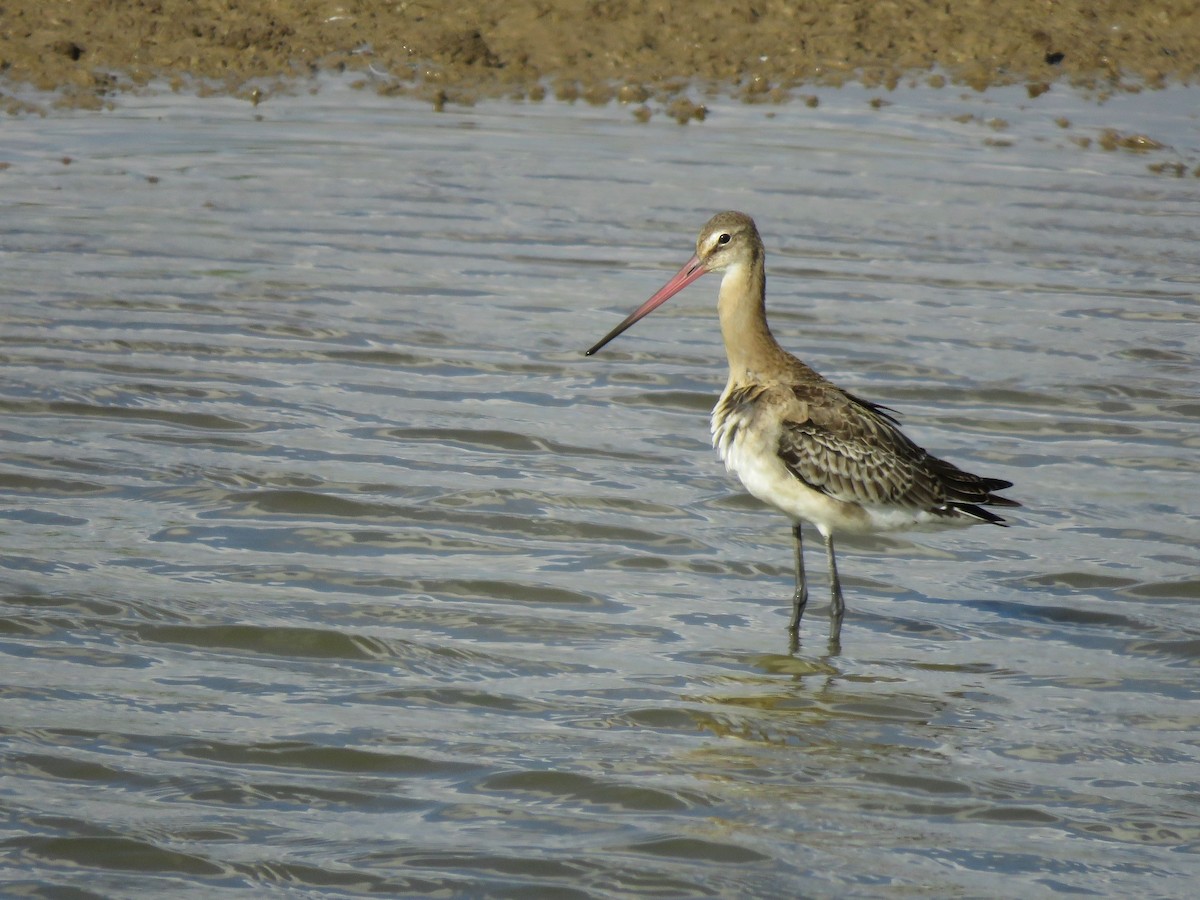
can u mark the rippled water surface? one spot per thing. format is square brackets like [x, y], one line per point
[330, 567]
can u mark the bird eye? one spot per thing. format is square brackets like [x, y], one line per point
[723, 239]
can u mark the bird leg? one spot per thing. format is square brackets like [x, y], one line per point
[800, 598]
[837, 605]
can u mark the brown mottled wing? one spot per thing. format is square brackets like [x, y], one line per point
[853, 450]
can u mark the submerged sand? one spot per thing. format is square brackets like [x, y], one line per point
[647, 53]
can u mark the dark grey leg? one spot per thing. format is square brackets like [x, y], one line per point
[837, 605]
[800, 598]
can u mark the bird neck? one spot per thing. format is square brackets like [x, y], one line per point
[741, 305]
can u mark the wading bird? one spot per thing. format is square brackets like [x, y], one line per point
[798, 442]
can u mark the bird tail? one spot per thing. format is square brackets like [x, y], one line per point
[969, 494]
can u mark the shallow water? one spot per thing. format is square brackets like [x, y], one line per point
[328, 566]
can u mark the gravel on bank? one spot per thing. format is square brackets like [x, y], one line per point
[639, 51]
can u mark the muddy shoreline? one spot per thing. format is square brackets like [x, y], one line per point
[650, 55]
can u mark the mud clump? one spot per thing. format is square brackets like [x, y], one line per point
[1111, 139]
[760, 51]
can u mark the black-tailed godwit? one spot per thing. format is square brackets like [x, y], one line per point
[798, 442]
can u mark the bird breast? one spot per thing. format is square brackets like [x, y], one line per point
[734, 422]
[746, 429]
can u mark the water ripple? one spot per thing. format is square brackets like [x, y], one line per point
[330, 566]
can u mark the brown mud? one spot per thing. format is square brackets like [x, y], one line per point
[650, 54]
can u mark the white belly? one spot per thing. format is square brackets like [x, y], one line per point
[748, 441]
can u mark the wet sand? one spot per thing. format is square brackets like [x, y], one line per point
[652, 55]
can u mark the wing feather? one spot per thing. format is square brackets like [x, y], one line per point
[854, 451]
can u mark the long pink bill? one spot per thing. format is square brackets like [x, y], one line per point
[692, 270]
